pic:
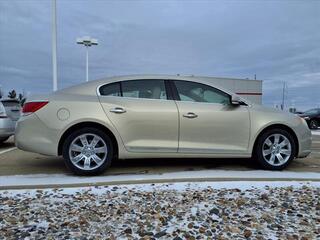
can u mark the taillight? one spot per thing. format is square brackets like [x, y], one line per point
[31, 107]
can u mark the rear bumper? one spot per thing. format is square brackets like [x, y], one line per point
[33, 135]
[7, 127]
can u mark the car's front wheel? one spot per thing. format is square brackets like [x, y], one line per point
[275, 149]
[87, 151]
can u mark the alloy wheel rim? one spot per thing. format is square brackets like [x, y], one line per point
[276, 149]
[88, 151]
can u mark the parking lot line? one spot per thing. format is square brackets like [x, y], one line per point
[8, 150]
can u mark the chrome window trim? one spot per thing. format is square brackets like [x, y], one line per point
[170, 79]
[137, 98]
[101, 85]
[230, 93]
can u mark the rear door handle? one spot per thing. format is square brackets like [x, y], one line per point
[190, 115]
[117, 110]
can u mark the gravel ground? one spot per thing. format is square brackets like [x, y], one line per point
[241, 210]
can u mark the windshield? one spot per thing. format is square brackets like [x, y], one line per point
[312, 111]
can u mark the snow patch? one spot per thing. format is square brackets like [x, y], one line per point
[179, 187]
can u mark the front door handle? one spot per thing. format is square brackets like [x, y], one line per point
[117, 110]
[190, 115]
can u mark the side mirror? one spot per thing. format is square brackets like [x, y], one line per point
[235, 100]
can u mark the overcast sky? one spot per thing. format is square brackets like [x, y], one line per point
[277, 40]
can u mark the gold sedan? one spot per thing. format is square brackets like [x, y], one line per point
[157, 116]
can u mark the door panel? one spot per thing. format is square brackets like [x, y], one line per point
[141, 113]
[213, 128]
[147, 125]
[208, 121]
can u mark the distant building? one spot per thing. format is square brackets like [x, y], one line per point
[246, 88]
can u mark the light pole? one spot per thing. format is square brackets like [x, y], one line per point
[87, 42]
[54, 46]
[283, 95]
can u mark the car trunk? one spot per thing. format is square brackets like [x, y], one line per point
[13, 108]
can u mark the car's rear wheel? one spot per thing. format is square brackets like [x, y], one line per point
[313, 124]
[275, 149]
[88, 151]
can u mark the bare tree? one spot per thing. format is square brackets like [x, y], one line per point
[12, 94]
[22, 99]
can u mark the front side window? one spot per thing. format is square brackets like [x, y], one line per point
[197, 92]
[112, 89]
[149, 88]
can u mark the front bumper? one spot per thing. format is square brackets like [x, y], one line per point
[305, 139]
[33, 135]
[7, 127]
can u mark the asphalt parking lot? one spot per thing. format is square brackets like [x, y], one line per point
[16, 162]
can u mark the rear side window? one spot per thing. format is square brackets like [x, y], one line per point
[149, 88]
[112, 89]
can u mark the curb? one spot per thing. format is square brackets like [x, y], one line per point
[150, 181]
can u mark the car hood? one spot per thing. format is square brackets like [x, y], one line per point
[268, 109]
[277, 113]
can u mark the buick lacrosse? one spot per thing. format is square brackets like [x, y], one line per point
[148, 116]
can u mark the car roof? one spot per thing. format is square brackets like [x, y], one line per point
[90, 88]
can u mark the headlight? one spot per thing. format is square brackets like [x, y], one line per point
[306, 118]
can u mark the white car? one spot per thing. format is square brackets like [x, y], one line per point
[9, 114]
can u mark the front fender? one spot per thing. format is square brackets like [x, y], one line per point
[263, 118]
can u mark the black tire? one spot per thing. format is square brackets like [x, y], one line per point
[3, 139]
[73, 136]
[313, 124]
[258, 155]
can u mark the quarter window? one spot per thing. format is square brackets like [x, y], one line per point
[112, 89]
[197, 92]
[149, 88]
